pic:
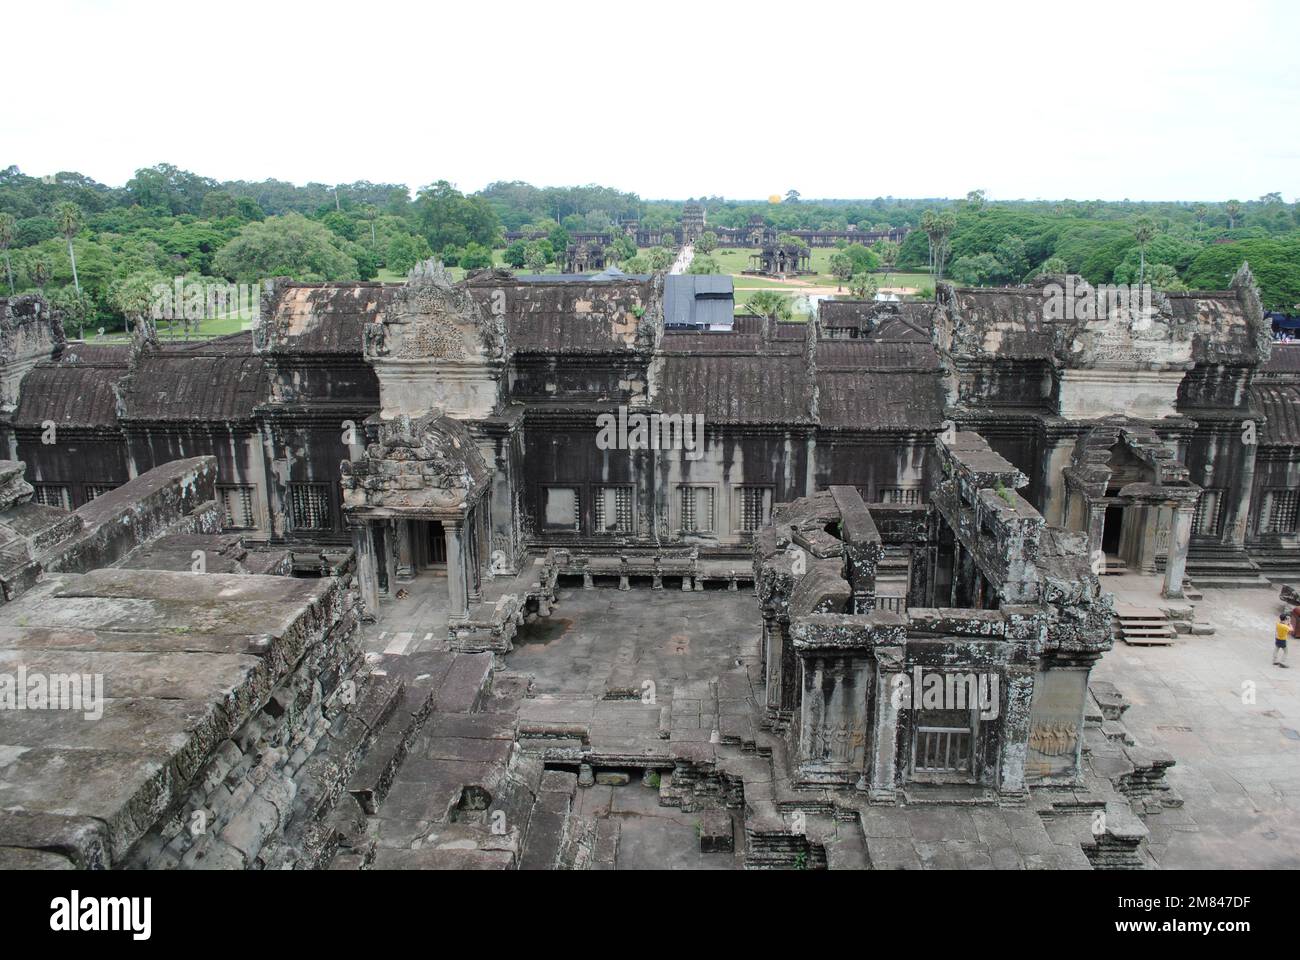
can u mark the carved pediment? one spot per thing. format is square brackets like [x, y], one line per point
[432, 317]
[425, 462]
[435, 337]
[1116, 326]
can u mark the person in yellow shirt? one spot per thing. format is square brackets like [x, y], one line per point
[1279, 648]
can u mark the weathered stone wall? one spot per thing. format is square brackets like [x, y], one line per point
[30, 331]
[262, 799]
[80, 459]
[231, 719]
[171, 498]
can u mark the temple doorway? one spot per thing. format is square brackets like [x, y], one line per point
[436, 541]
[1112, 531]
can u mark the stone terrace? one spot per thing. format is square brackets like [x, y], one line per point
[575, 770]
[186, 661]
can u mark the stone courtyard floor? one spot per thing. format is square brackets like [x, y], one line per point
[605, 643]
[600, 639]
[584, 673]
[1238, 767]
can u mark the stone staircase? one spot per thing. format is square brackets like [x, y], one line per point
[1114, 567]
[408, 695]
[768, 850]
[413, 683]
[550, 832]
[337, 817]
[1143, 626]
[1224, 567]
[1277, 564]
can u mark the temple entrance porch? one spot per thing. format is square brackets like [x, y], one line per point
[416, 617]
[409, 555]
[1141, 529]
[1127, 491]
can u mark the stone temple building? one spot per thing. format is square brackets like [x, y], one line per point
[778, 258]
[911, 488]
[693, 222]
[1171, 445]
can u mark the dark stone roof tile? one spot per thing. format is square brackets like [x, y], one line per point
[731, 388]
[1280, 403]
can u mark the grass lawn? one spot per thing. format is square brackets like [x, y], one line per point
[736, 261]
[204, 329]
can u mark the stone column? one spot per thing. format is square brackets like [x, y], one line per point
[1180, 536]
[1150, 527]
[405, 551]
[964, 592]
[1017, 709]
[779, 661]
[473, 558]
[772, 663]
[382, 547]
[1055, 493]
[812, 709]
[882, 765]
[1096, 528]
[457, 587]
[367, 574]
[1236, 516]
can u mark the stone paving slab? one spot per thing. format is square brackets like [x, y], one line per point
[1237, 771]
[180, 667]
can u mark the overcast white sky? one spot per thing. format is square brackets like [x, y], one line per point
[1091, 99]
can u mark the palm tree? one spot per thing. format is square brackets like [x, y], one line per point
[134, 296]
[7, 227]
[863, 286]
[929, 225]
[887, 250]
[1233, 209]
[370, 214]
[1144, 232]
[938, 228]
[771, 304]
[38, 272]
[68, 216]
[76, 308]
